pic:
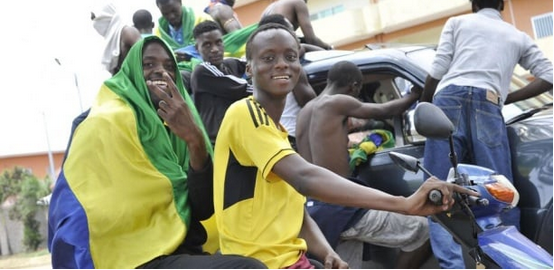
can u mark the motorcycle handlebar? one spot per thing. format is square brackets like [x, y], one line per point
[435, 196]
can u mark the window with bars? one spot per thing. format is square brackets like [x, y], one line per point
[542, 25]
[327, 12]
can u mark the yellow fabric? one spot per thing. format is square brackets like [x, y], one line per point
[113, 126]
[212, 243]
[259, 214]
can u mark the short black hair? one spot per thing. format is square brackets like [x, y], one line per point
[494, 4]
[204, 27]
[164, 2]
[263, 28]
[275, 18]
[344, 73]
[142, 18]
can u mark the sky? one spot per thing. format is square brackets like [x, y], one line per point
[39, 97]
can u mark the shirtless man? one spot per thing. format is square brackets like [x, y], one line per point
[296, 12]
[222, 12]
[322, 139]
[323, 121]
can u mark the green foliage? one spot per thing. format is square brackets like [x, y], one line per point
[28, 190]
[10, 183]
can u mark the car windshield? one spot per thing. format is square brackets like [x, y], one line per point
[424, 57]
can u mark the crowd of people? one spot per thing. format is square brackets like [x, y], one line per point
[204, 118]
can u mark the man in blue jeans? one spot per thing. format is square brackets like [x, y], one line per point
[472, 69]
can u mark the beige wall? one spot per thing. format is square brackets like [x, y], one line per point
[397, 21]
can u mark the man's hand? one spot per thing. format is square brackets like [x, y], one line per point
[177, 115]
[333, 261]
[419, 203]
[416, 90]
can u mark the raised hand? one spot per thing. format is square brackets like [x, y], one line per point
[177, 115]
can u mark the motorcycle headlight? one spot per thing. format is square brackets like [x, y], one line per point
[503, 190]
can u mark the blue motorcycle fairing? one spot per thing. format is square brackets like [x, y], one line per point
[511, 250]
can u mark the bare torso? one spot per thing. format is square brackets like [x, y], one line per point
[285, 8]
[322, 135]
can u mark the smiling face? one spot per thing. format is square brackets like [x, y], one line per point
[274, 65]
[210, 47]
[155, 61]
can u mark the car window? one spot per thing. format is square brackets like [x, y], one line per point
[511, 110]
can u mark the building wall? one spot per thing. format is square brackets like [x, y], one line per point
[12, 231]
[400, 21]
[371, 21]
[37, 163]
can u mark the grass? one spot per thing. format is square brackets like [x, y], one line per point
[31, 260]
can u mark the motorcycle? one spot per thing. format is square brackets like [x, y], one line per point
[475, 222]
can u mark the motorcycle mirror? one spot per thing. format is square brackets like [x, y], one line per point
[431, 122]
[407, 163]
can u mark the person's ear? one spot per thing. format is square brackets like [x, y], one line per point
[248, 70]
[354, 86]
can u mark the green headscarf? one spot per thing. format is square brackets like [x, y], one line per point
[187, 24]
[168, 153]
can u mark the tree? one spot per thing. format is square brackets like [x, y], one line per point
[27, 189]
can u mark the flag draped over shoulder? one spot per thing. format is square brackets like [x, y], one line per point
[121, 198]
[235, 42]
[188, 21]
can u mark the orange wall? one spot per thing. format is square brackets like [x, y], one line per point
[524, 10]
[37, 163]
[251, 13]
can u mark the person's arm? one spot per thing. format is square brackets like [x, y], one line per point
[213, 81]
[200, 184]
[349, 106]
[318, 245]
[225, 16]
[303, 17]
[323, 185]
[310, 48]
[178, 117]
[535, 88]
[303, 91]
[429, 89]
[129, 36]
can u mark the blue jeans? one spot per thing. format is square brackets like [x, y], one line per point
[480, 138]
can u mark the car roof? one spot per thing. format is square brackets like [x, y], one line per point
[316, 64]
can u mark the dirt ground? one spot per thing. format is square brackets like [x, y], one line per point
[35, 260]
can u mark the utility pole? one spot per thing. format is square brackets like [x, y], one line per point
[76, 84]
[52, 171]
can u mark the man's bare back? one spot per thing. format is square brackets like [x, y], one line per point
[296, 12]
[287, 8]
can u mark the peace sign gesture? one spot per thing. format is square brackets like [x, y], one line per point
[177, 115]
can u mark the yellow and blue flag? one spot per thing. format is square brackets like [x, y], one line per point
[122, 196]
